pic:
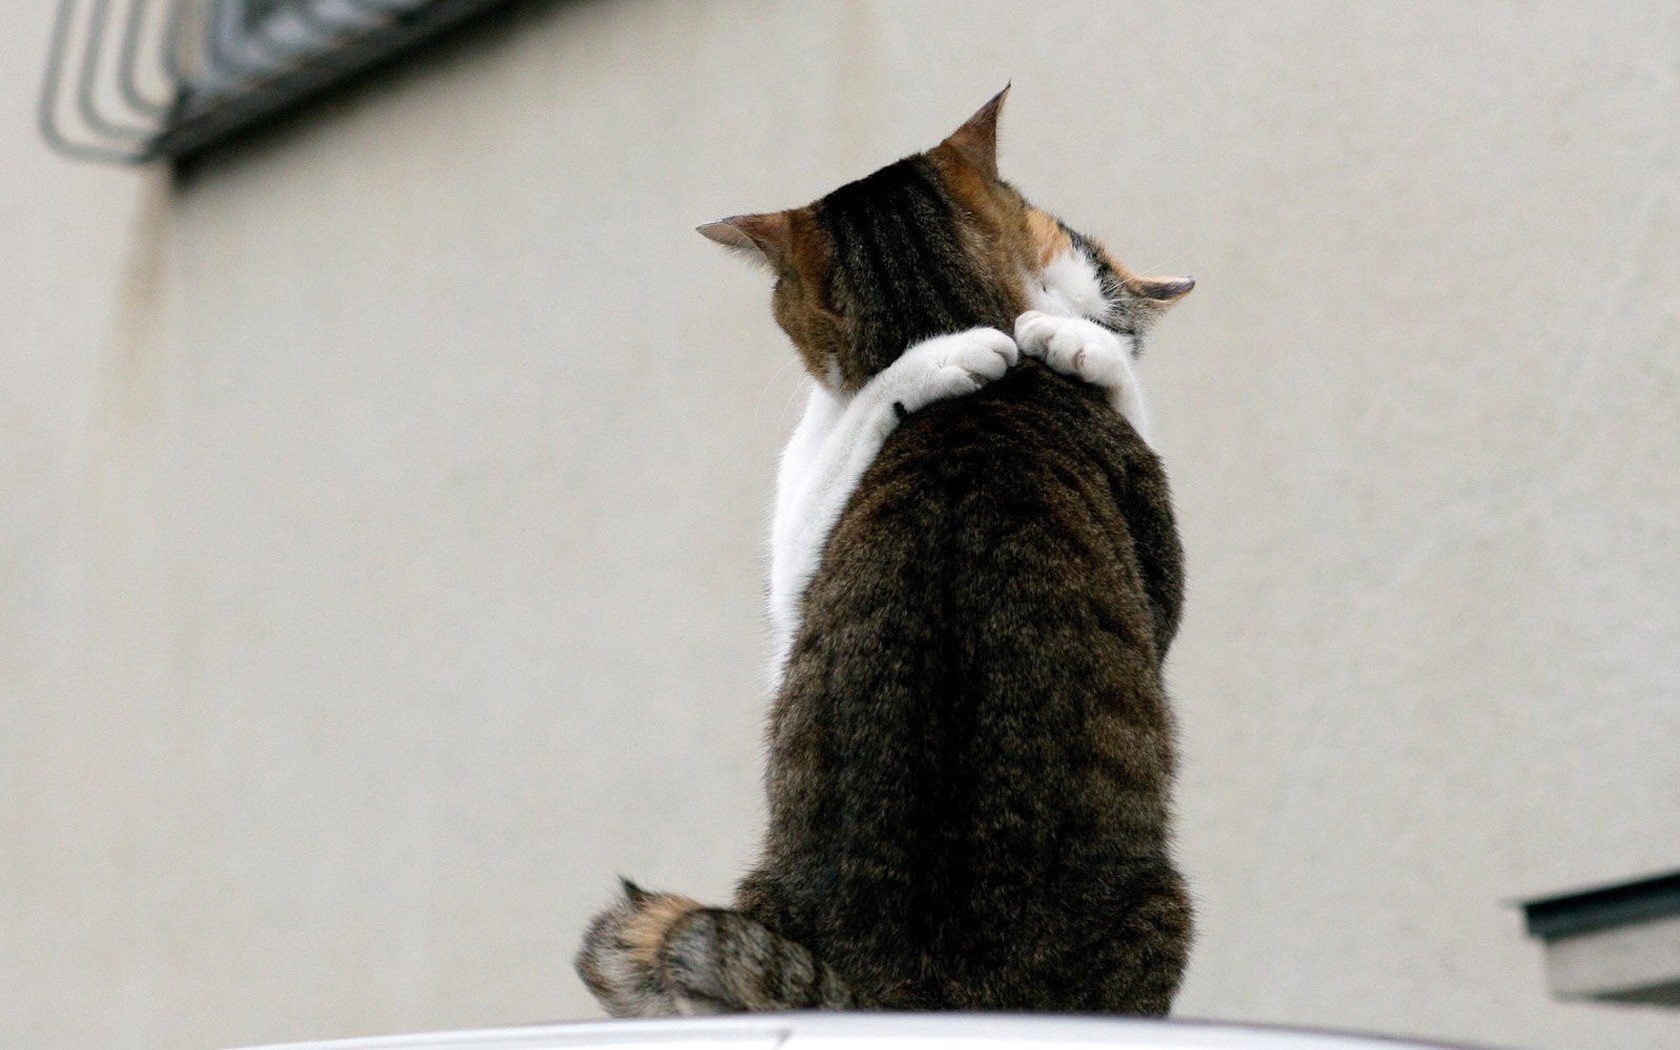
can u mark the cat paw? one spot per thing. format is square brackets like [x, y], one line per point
[1076, 347]
[948, 366]
[622, 958]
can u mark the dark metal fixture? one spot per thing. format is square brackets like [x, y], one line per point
[131, 81]
[1618, 943]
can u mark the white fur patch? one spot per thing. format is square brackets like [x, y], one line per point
[835, 442]
[840, 434]
[1067, 328]
[1090, 353]
[1070, 287]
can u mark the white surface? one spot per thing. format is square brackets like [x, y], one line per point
[823, 1031]
[381, 511]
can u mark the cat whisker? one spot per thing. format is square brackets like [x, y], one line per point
[775, 377]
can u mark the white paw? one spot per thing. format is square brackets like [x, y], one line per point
[1089, 352]
[1076, 347]
[949, 366]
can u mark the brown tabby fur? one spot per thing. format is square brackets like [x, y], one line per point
[972, 751]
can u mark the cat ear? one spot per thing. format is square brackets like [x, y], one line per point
[766, 238]
[976, 140]
[1151, 296]
[1162, 290]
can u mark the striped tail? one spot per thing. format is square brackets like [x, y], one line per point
[661, 955]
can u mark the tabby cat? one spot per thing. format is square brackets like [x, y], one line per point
[976, 577]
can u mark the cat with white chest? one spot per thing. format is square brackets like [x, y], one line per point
[840, 432]
[975, 580]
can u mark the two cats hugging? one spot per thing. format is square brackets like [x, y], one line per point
[975, 579]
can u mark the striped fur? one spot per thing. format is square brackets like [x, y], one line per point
[971, 752]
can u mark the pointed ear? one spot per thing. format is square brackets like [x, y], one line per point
[766, 238]
[976, 140]
[1163, 291]
[632, 892]
[1152, 296]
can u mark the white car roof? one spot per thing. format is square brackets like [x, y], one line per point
[887, 1031]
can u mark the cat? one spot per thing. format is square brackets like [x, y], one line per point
[976, 576]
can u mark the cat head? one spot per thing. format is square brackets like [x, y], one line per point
[932, 244]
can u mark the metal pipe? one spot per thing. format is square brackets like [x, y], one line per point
[52, 88]
[127, 68]
[86, 103]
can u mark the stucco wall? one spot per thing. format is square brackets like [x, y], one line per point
[384, 499]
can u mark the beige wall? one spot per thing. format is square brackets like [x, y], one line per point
[383, 501]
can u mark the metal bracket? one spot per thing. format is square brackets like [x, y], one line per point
[100, 111]
[224, 65]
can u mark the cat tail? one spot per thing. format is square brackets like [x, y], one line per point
[661, 955]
